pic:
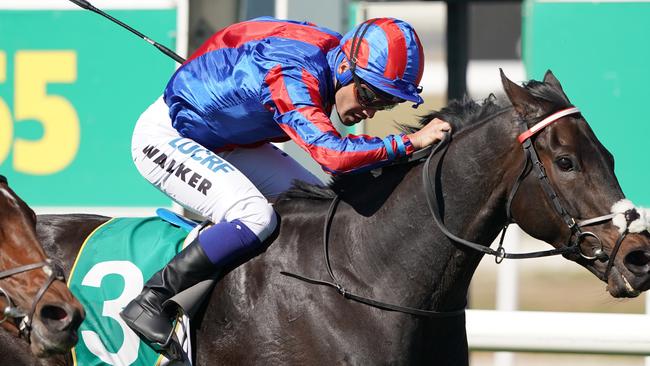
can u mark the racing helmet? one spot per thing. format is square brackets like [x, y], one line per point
[387, 54]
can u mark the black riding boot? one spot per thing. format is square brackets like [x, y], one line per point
[145, 315]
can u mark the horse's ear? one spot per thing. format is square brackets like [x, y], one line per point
[551, 80]
[524, 103]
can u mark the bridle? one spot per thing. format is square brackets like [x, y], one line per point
[531, 157]
[532, 163]
[51, 269]
[531, 160]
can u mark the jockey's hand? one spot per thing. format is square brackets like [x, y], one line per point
[429, 134]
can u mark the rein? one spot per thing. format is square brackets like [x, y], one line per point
[365, 300]
[500, 253]
[53, 271]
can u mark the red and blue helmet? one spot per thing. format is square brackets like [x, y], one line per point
[387, 54]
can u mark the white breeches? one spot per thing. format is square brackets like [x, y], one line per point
[223, 187]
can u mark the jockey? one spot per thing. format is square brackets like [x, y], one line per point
[206, 142]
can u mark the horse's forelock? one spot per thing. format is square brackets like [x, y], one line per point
[549, 93]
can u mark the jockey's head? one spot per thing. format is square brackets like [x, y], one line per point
[384, 60]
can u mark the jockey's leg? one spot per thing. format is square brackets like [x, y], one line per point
[213, 187]
[215, 247]
[270, 169]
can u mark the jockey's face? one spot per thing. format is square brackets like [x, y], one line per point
[347, 105]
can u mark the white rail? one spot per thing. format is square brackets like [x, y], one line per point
[534, 331]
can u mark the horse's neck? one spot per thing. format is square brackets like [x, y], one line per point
[412, 259]
[63, 235]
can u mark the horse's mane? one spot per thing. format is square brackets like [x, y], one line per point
[467, 112]
[461, 114]
[301, 189]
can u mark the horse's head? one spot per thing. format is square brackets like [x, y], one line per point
[616, 248]
[36, 302]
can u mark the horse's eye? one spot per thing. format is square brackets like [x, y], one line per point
[565, 164]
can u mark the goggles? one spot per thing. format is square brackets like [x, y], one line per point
[369, 97]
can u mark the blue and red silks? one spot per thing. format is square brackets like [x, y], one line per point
[267, 80]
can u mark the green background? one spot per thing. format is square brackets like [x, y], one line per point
[601, 54]
[118, 76]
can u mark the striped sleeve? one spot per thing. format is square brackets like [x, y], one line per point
[295, 97]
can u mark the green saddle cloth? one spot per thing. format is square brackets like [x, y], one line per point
[110, 270]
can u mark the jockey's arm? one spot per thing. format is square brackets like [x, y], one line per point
[300, 114]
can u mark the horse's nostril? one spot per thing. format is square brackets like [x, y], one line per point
[54, 316]
[53, 312]
[638, 262]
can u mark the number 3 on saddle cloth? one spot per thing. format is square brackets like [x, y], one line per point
[110, 270]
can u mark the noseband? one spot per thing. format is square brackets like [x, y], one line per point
[52, 270]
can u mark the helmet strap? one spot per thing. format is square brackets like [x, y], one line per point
[347, 76]
[356, 43]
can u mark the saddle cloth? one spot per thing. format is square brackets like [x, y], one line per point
[109, 271]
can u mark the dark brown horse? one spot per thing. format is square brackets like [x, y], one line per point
[383, 243]
[37, 305]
